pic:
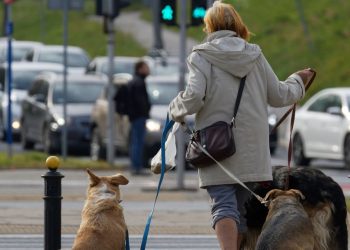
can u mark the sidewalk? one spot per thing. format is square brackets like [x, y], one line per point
[142, 31]
[177, 212]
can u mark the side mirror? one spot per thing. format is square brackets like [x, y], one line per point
[335, 111]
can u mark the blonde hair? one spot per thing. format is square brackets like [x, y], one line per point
[223, 16]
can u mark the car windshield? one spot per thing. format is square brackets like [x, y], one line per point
[77, 92]
[23, 79]
[162, 93]
[73, 59]
[169, 68]
[119, 67]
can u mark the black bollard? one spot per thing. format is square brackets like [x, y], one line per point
[52, 198]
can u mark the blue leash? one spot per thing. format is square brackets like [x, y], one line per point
[127, 242]
[168, 125]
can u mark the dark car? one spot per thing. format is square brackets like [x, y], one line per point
[42, 116]
[23, 74]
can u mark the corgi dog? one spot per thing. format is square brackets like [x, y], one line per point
[102, 225]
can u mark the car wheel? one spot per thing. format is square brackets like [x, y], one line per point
[47, 142]
[97, 150]
[347, 152]
[26, 144]
[298, 152]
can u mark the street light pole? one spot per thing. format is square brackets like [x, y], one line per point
[180, 169]
[9, 30]
[110, 93]
[65, 42]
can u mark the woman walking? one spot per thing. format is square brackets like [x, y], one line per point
[215, 70]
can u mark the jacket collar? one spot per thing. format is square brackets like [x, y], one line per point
[220, 34]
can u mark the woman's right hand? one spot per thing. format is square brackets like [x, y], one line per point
[306, 75]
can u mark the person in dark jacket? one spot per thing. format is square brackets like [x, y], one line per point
[138, 111]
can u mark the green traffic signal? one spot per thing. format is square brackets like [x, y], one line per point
[198, 12]
[167, 13]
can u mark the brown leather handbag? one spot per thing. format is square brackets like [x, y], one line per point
[217, 139]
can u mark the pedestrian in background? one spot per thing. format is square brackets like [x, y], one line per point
[215, 70]
[138, 111]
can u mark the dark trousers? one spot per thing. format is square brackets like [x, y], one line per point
[137, 143]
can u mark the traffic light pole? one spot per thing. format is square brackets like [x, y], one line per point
[210, 3]
[158, 42]
[180, 168]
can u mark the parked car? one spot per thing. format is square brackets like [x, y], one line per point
[122, 64]
[23, 75]
[19, 49]
[161, 91]
[77, 58]
[42, 117]
[162, 66]
[322, 128]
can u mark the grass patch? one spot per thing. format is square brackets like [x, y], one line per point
[35, 160]
[348, 203]
[33, 21]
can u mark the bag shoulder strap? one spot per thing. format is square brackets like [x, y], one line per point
[238, 99]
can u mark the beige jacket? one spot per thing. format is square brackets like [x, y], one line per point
[215, 69]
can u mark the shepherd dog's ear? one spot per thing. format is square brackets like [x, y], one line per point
[119, 179]
[272, 194]
[94, 180]
[297, 193]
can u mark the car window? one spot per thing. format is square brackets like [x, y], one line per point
[161, 93]
[23, 79]
[119, 67]
[325, 102]
[18, 53]
[348, 101]
[73, 59]
[77, 92]
[169, 68]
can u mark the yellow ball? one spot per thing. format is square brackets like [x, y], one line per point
[52, 162]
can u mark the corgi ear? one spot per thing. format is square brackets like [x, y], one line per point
[94, 180]
[297, 193]
[119, 179]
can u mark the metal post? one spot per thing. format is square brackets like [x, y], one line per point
[180, 168]
[111, 108]
[157, 32]
[9, 31]
[210, 3]
[65, 42]
[52, 207]
[300, 10]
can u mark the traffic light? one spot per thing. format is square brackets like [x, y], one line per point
[198, 10]
[168, 12]
[110, 8]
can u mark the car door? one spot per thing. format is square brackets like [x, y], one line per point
[40, 112]
[321, 129]
[28, 111]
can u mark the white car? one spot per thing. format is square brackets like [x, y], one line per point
[322, 128]
[19, 49]
[77, 58]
